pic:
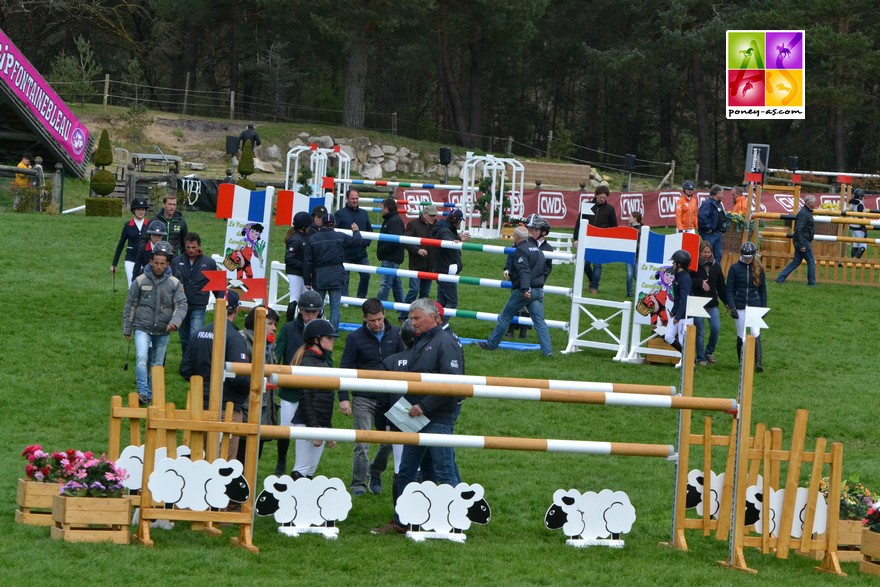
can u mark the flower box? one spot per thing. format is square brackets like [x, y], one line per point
[34, 501]
[849, 542]
[871, 552]
[91, 519]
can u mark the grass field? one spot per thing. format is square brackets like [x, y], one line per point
[63, 354]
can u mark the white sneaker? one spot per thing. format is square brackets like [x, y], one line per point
[162, 524]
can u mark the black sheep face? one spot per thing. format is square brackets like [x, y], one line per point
[479, 512]
[267, 504]
[238, 490]
[555, 517]
[753, 514]
[694, 496]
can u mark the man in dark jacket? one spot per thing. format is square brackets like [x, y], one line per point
[175, 224]
[346, 217]
[604, 216]
[323, 268]
[249, 134]
[526, 267]
[804, 230]
[711, 221]
[197, 361]
[420, 257]
[189, 268]
[390, 254]
[448, 261]
[366, 348]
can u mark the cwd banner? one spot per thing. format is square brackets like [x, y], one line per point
[248, 214]
[653, 293]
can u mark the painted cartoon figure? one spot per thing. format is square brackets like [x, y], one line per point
[241, 259]
[653, 303]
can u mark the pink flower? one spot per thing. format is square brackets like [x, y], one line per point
[29, 470]
[38, 476]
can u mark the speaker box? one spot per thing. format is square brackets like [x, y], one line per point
[629, 162]
[445, 155]
[231, 145]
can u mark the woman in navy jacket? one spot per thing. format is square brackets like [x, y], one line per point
[130, 237]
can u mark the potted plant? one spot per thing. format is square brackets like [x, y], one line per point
[871, 541]
[90, 505]
[855, 501]
[43, 474]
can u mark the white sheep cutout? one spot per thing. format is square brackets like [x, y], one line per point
[442, 511]
[132, 460]
[591, 518]
[754, 513]
[305, 505]
[695, 498]
[198, 485]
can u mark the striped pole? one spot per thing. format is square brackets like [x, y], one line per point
[550, 384]
[390, 184]
[587, 447]
[494, 283]
[824, 237]
[819, 219]
[412, 203]
[456, 313]
[443, 213]
[437, 243]
[447, 389]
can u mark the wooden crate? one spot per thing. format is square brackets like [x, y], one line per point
[849, 542]
[871, 552]
[91, 519]
[659, 343]
[34, 501]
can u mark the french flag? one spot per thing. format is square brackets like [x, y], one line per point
[234, 201]
[661, 246]
[611, 245]
[284, 210]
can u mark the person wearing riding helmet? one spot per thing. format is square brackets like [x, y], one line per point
[681, 287]
[132, 231]
[856, 204]
[155, 233]
[686, 209]
[294, 257]
[746, 286]
[315, 408]
[448, 261]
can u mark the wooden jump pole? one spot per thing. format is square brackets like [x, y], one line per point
[819, 219]
[551, 384]
[505, 392]
[822, 237]
[466, 441]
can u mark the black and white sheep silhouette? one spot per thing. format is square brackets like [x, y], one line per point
[442, 509]
[198, 485]
[304, 503]
[590, 516]
[754, 515]
[695, 497]
[132, 460]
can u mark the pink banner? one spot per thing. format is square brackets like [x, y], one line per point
[560, 207]
[41, 100]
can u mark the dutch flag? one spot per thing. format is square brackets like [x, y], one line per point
[234, 201]
[611, 245]
[661, 246]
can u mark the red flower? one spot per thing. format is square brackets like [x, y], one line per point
[29, 470]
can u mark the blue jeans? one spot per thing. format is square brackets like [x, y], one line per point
[143, 340]
[364, 283]
[714, 239]
[442, 470]
[447, 295]
[390, 283]
[418, 289]
[714, 329]
[194, 320]
[335, 296]
[630, 278]
[799, 257]
[594, 274]
[515, 303]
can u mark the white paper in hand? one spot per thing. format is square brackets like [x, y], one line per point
[399, 416]
[453, 269]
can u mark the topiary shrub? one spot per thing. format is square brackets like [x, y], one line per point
[103, 182]
[104, 207]
[246, 164]
[246, 183]
[104, 154]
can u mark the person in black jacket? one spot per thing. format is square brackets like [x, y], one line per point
[708, 282]
[249, 134]
[390, 254]
[132, 231]
[348, 217]
[174, 222]
[746, 286]
[680, 290]
[155, 233]
[604, 216]
[294, 258]
[315, 408]
[189, 268]
[526, 268]
[197, 361]
[711, 221]
[420, 256]
[804, 231]
[857, 204]
[366, 348]
[448, 261]
[323, 261]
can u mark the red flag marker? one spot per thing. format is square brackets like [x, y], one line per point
[216, 280]
[256, 288]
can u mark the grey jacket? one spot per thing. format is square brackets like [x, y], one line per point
[153, 303]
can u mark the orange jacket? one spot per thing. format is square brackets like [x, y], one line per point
[686, 213]
[739, 206]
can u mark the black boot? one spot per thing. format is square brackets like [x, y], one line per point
[291, 311]
[676, 345]
[739, 349]
[395, 490]
[759, 355]
[860, 252]
[281, 464]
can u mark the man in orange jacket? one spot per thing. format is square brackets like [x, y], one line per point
[686, 209]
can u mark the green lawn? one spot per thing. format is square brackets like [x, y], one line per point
[63, 354]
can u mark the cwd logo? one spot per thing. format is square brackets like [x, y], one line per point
[631, 203]
[456, 197]
[412, 196]
[666, 203]
[787, 202]
[551, 205]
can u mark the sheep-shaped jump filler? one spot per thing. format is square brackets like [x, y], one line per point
[198, 485]
[591, 518]
[132, 460]
[755, 501]
[305, 505]
[442, 511]
[695, 497]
